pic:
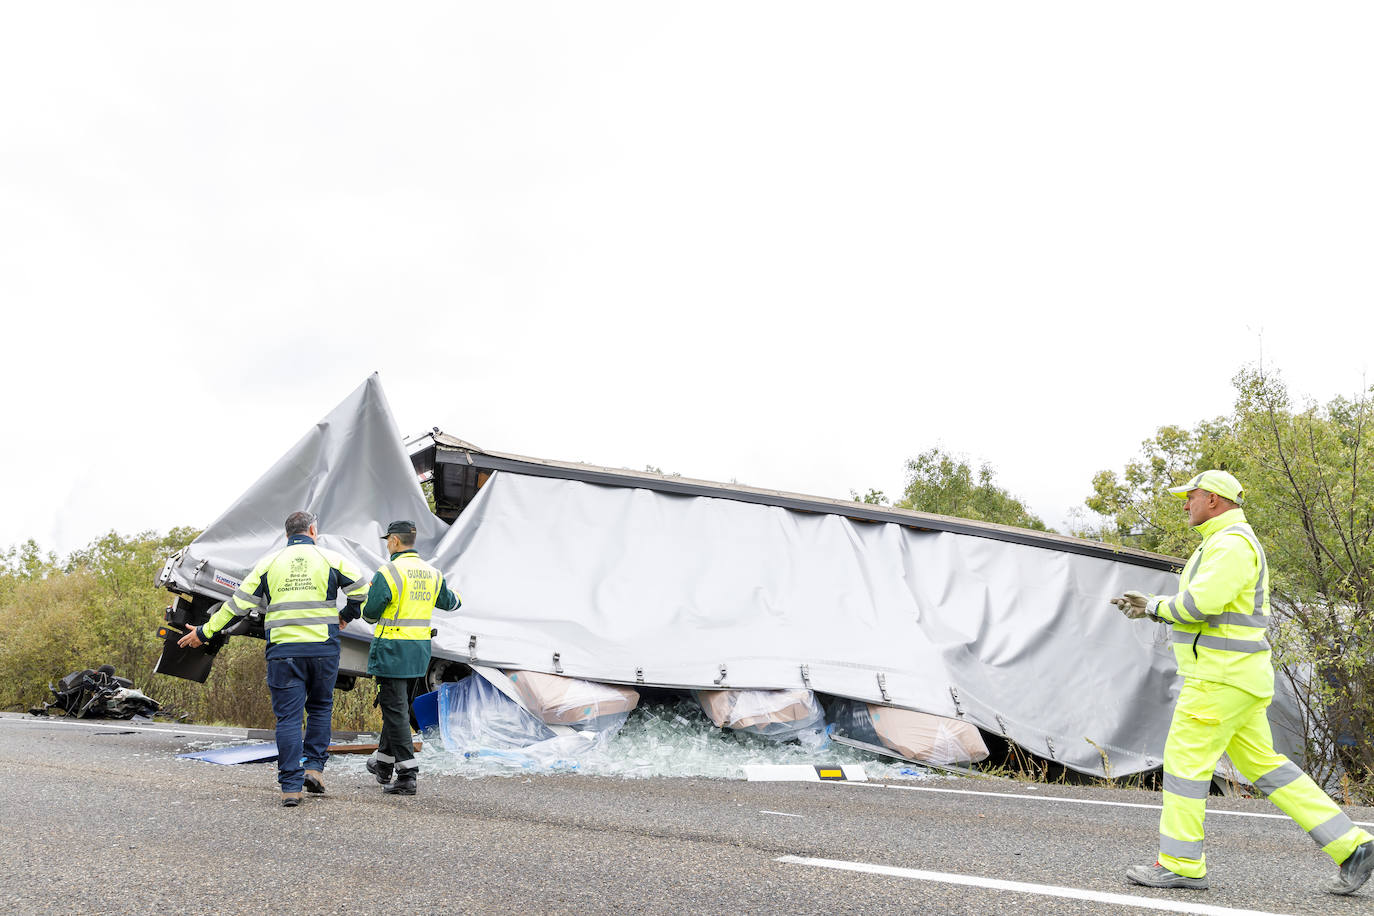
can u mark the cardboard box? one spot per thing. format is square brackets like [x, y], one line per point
[746, 709]
[921, 736]
[559, 700]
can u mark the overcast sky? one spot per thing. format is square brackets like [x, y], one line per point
[791, 244]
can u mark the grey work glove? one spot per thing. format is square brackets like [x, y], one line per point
[1133, 605]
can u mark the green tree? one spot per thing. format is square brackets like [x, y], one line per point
[101, 606]
[24, 563]
[43, 635]
[125, 612]
[1309, 478]
[1308, 473]
[872, 497]
[942, 484]
[1137, 509]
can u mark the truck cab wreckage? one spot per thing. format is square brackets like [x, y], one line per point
[646, 580]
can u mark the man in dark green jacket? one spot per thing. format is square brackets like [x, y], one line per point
[400, 601]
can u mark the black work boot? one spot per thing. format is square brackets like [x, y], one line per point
[404, 785]
[379, 769]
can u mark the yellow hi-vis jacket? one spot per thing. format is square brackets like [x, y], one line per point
[412, 589]
[296, 589]
[1221, 611]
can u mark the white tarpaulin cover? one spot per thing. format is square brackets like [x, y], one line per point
[351, 470]
[622, 582]
[630, 585]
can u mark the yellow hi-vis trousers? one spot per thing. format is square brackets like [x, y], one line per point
[1211, 718]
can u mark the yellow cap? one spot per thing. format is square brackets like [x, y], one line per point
[1221, 483]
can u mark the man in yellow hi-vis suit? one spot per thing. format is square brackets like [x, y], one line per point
[1220, 616]
[296, 589]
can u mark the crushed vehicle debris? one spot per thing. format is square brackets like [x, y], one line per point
[97, 694]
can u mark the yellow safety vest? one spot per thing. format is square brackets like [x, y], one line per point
[298, 601]
[414, 586]
[1220, 614]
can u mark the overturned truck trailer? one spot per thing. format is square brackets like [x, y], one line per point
[644, 579]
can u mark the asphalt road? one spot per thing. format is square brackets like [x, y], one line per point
[103, 818]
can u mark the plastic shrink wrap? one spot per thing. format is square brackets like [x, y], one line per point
[779, 715]
[917, 735]
[476, 719]
[559, 700]
[473, 715]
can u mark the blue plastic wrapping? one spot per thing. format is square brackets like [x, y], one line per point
[476, 719]
[474, 715]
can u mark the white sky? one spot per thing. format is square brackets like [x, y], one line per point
[790, 243]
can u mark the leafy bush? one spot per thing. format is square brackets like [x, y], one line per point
[100, 607]
[44, 636]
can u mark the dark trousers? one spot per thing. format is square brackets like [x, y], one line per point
[393, 695]
[301, 685]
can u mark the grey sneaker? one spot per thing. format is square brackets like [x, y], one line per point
[1354, 870]
[1157, 875]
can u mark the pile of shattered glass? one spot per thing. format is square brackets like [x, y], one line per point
[526, 721]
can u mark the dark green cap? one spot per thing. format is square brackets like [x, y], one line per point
[402, 527]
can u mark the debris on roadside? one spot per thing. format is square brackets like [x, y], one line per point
[97, 694]
[486, 729]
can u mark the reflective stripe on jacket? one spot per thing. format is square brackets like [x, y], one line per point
[414, 588]
[1220, 614]
[296, 590]
[400, 642]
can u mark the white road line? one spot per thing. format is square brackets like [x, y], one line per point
[1072, 801]
[175, 732]
[778, 813]
[1043, 890]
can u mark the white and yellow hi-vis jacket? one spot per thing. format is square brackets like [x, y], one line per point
[296, 589]
[1221, 611]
